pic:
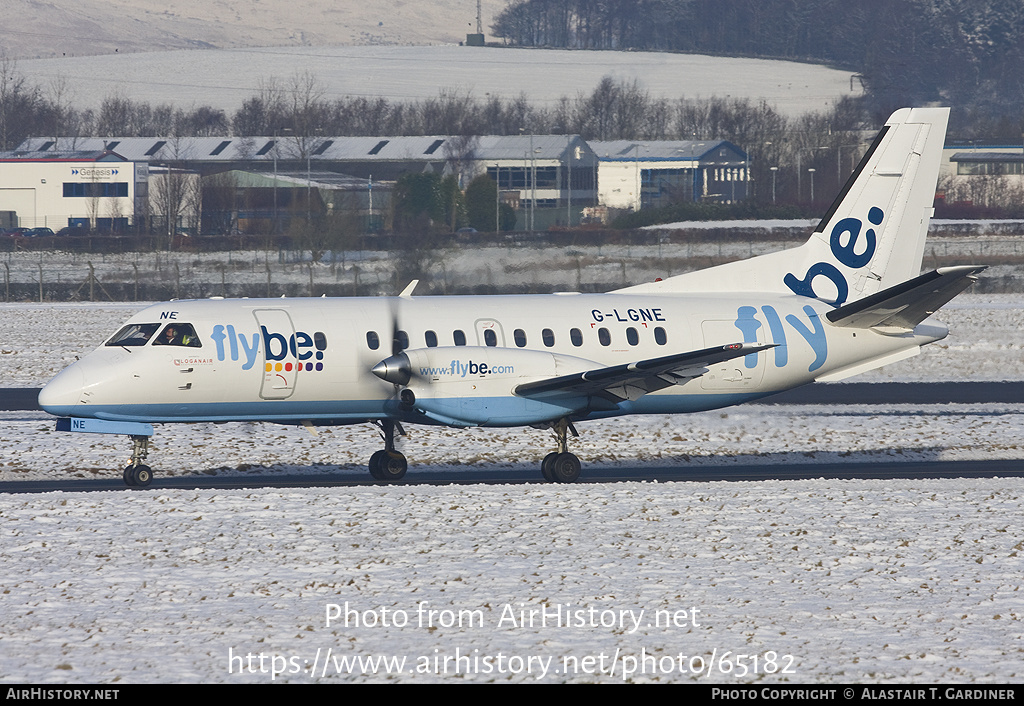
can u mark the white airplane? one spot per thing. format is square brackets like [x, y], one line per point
[848, 300]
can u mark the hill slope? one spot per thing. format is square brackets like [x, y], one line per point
[43, 28]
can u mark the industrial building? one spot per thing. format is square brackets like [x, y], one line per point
[547, 179]
[97, 189]
[651, 174]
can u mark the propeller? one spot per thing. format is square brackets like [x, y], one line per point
[396, 368]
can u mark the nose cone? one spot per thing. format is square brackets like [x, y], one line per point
[63, 394]
[395, 369]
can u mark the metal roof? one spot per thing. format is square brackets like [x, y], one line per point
[663, 150]
[85, 155]
[987, 157]
[364, 149]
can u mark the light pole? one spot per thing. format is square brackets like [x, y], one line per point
[774, 171]
[839, 161]
[568, 190]
[277, 132]
[309, 180]
[812, 170]
[636, 158]
[533, 185]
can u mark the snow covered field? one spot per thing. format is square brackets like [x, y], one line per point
[225, 78]
[802, 581]
[810, 581]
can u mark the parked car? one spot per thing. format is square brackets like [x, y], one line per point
[73, 230]
[38, 233]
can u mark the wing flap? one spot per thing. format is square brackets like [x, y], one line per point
[630, 381]
[905, 305]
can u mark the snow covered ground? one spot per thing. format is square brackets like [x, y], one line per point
[225, 78]
[810, 581]
[72, 28]
[800, 581]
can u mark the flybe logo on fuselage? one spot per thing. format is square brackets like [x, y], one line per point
[297, 349]
[846, 249]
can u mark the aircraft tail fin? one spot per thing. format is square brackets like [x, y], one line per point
[871, 238]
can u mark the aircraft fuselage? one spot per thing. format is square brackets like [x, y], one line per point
[307, 360]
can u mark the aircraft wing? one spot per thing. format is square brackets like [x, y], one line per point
[905, 305]
[631, 381]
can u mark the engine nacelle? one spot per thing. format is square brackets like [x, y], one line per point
[472, 385]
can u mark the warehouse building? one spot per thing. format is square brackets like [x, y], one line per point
[96, 189]
[651, 174]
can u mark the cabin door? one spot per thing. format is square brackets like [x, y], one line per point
[280, 366]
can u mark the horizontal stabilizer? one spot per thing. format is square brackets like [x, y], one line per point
[633, 380]
[905, 305]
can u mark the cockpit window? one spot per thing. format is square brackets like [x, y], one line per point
[133, 335]
[178, 334]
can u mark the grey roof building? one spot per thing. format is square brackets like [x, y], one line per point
[643, 174]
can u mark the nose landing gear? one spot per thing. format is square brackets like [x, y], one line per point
[388, 464]
[138, 474]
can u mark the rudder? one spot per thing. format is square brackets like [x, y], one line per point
[871, 238]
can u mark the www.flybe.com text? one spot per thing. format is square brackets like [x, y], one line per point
[460, 369]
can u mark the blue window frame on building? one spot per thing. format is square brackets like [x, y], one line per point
[87, 189]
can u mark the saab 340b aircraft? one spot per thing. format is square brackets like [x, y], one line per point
[848, 300]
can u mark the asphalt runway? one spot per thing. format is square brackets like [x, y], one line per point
[1003, 468]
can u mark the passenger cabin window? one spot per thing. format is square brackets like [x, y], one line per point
[659, 336]
[548, 336]
[632, 336]
[576, 336]
[372, 340]
[459, 336]
[403, 340]
[604, 337]
[320, 341]
[431, 339]
[490, 338]
[178, 334]
[134, 335]
[520, 337]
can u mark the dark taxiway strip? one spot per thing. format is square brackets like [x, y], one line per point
[591, 474]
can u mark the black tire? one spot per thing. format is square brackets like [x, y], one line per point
[565, 468]
[142, 475]
[393, 466]
[545, 467]
[128, 476]
[375, 464]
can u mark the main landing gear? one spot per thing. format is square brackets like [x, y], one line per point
[561, 466]
[388, 464]
[138, 473]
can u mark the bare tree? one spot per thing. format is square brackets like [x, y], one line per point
[172, 193]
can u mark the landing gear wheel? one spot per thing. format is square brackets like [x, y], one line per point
[545, 466]
[375, 464]
[393, 466]
[565, 468]
[388, 464]
[142, 476]
[137, 473]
